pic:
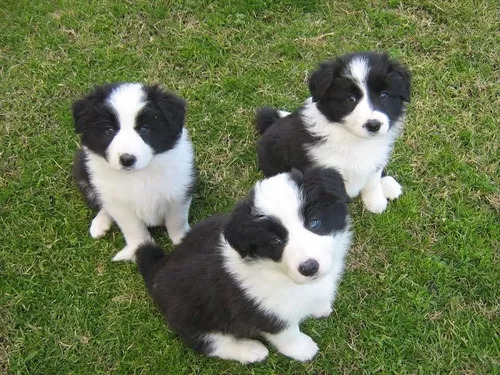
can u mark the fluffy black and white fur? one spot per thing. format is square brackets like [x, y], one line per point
[136, 163]
[350, 123]
[256, 273]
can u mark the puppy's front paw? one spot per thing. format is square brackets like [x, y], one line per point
[127, 253]
[179, 235]
[100, 226]
[392, 190]
[251, 351]
[322, 312]
[375, 203]
[301, 348]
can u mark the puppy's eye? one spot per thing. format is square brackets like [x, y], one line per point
[276, 241]
[351, 99]
[314, 223]
[384, 95]
[144, 129]
[110, 130]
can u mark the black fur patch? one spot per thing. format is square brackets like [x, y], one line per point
[254, 235]
[93, 117]
[325, 199]
[81, 176]
[164, 114]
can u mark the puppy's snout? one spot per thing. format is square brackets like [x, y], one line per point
[127, 160]
[373, 125]
[309, 267]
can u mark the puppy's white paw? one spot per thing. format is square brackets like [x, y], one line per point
[241, 350]
[375, 203]
[127, 253]
[178, 236]
[301, 348]
[284, 113]
[100, 226]
[251, 351]
[392, 190]
[322, 312]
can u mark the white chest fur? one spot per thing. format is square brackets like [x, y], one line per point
[146, 191]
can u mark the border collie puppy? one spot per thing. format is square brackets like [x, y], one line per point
[275, 260]
[136, 164]
[350, 123]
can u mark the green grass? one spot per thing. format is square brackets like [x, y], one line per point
[420, 293]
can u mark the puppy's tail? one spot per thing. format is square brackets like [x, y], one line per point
[150, 258]
[266, 116]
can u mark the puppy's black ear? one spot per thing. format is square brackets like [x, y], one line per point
[325, 182]
[321, 80]
[297, 176]
[401, 78]
[334, 183]
[172, 107]
[236, 229]
[80, 110]
[83, 109]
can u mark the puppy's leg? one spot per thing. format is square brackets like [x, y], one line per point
[176, 220]
[230, 347]
[134, 230]
[101, 224]
[392, 190]
[372, 194]
[293, 343]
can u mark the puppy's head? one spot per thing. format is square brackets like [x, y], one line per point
[298, 222]
[129, 123]
[364, 92]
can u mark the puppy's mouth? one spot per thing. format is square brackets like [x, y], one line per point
[301, 280]
[121, 168]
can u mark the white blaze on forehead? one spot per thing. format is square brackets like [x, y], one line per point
[358, 69]
[280, 197]
[127, 100]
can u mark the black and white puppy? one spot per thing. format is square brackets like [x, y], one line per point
[350, 123]
[275, 260]
[136, 164]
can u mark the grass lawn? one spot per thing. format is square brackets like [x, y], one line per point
[421, 291]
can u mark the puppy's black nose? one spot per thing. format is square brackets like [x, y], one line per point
[373, 125]
[309, 267]
[127, 160]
